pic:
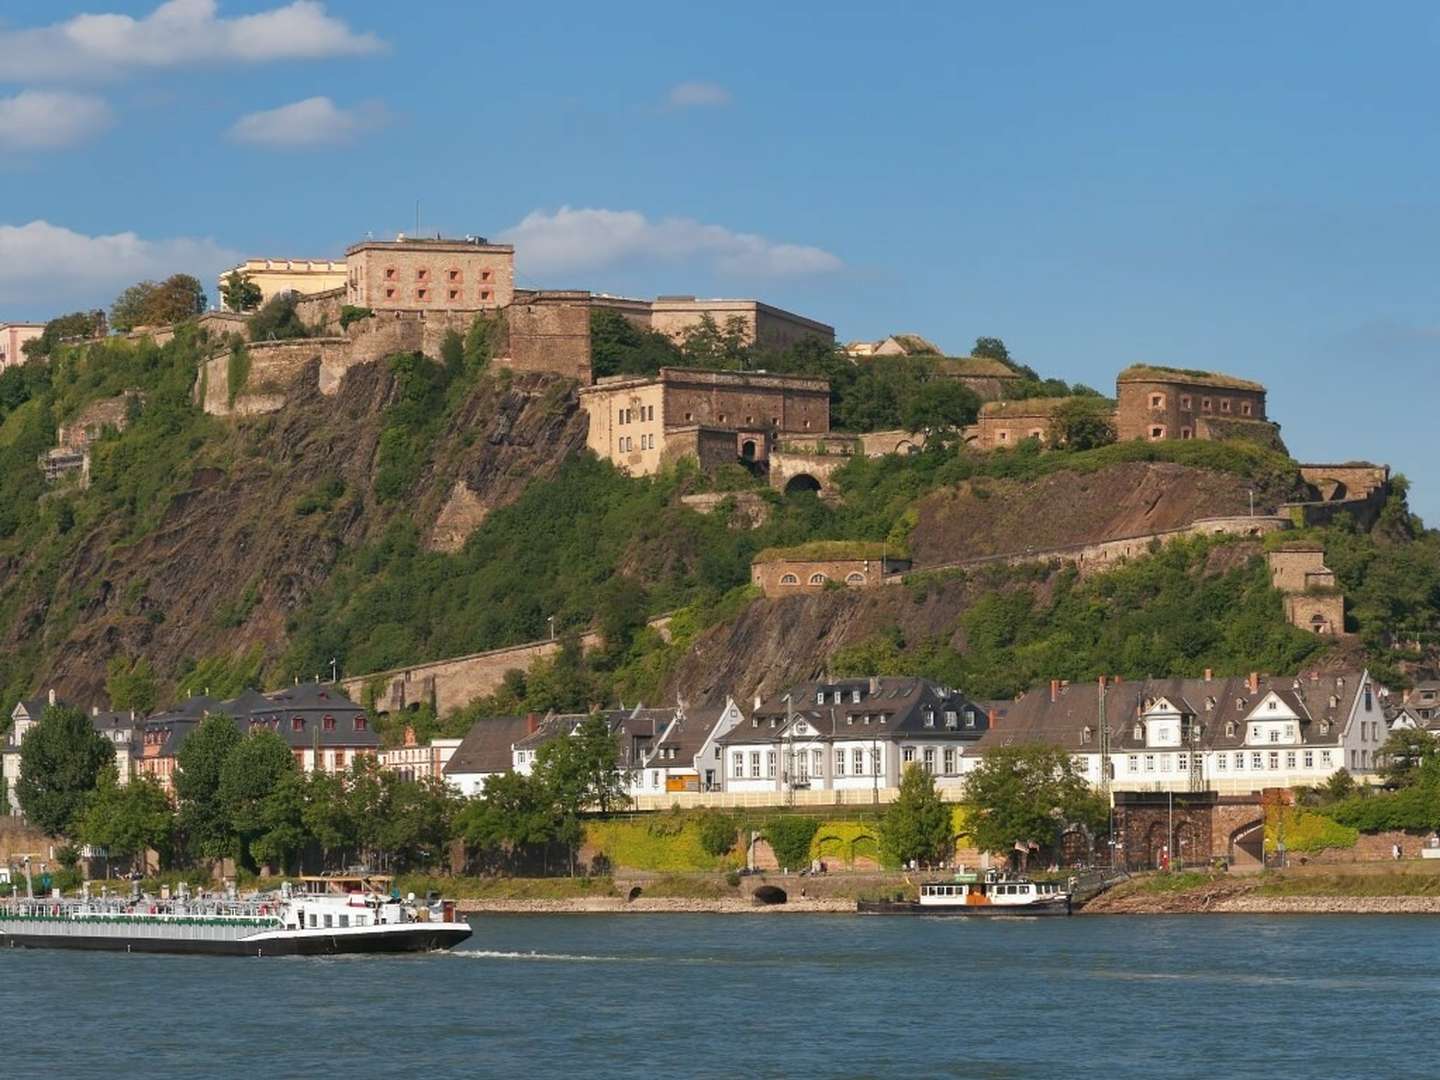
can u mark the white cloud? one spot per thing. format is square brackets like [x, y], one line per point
[581, 239]
[59, 267]
[178, 33]
[316, 121]
[48, 120]
[688, 95]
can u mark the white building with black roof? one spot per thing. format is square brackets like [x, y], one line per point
[851, 735]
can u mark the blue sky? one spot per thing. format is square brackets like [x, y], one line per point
[1243, 187]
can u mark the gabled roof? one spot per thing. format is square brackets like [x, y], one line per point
[1221, 707]
[486, 747]
[894, 707]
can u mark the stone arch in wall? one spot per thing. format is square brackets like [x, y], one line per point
[748, 451]
[855, 578]
[1247, 844]
[818, 578]
[802, 482]
[1188, 851]
[1157, 838]
[1076, 846]
[789, 579]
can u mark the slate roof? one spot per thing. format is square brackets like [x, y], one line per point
[1220, 706]
[486, 747]
[901, 702]
[634, 730]
[687, 734]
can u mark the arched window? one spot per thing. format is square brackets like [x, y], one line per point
[856, 578]
[817, 579]
[789, 579]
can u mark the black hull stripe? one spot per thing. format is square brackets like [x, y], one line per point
[427, 939]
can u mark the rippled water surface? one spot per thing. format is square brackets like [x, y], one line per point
[768, 995]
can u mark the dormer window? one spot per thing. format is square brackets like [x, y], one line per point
[754, 721]
[297, 724]
[952, 720]
[929, 718]
[1085, 736]
[1139, 732]
[1230, 729]
[969, 717]
[855, 695]
[1209, 704]
[849, 719]
[819, 697]
[838, 693]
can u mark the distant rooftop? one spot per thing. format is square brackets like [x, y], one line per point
[439, 243]
[1157, 373]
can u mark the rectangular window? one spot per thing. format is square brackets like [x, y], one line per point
[770, 764]
[737, 765]
[1274, 734]
[1309, 759]
[930, 759]
[1324, 757]
[344, 922]
[329, 723]
[391, 273]
[755, 764]
[422, 275]
[1205, 404]
[857, 759]
[1274, 759]
[1185, 402]
[818, 758]
[454, 275]
[1149, 762]
[454, 294]
[839, 762]
[1257, 761]
[297, 724]
[1290, 759]
[1157, 401]
[949, 761]
[1133, 763]
[422, 294]
[1245, 408]
[908, 754]
[855, 695]
[329, 922]
[1221, 761]
[875, 760]
[1224, 404]
[1183, 762]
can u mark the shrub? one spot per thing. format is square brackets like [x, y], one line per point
[1303, 831]
[790, 838]
[717, 833]
[349, 313]
[237, 373]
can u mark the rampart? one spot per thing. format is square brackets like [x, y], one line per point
[453, 683]
[1089, 558]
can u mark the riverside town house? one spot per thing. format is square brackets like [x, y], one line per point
[852, 735]
[1231, 735]
[120, 728]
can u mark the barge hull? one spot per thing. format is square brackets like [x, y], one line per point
[963, 911]
[412, 939]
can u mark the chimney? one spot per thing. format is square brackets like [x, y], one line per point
[52, 695]
[758, 702]
[1209, 674]
[409, 735]
[1054, 689]
[1118, 680]
[1254, 682]
[874, 684]
[1404, 697]
[532, 723]
[1102, 682]
[992, 718]
[94, 710]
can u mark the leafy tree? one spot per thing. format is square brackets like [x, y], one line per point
[131, 308]
[514, 812]
[128, 819]
[240, 293]
[78, 324]
[203, 817]
[708, 345]
[131, 684]
[60, 762]
[1404, 753]
[418, 822]
[1082, 423]
[619, 347]
[178, 297]
[452, 353]
[939, 405]
[281, 834]
[917, 826]
[278, 319]
[251, 773]
[1340, 785]
[327, 818]
[580, 772]
[1028, 793]
[991, 348]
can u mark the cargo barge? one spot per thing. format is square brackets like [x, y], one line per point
[294, 922]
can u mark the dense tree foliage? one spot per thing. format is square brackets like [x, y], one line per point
[127, 819]
[1028, 794]
[1082, 423]
[203, 817]
[61, 758]
[240, 293]
[279, 319]
[78, 325]
[149, 303]
[917, 826]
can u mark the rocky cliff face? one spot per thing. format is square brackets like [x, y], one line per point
[1004, 517]
[268, 509]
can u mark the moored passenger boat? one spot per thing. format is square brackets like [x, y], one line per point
[966, 894]
[314, 921]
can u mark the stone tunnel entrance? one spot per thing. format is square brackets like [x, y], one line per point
[802, 482]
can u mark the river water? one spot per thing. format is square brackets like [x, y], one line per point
[764, 995]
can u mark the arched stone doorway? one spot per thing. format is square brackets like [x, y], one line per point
[748, 450]
[802, 482]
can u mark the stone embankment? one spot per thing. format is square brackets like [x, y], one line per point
[616, 905]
